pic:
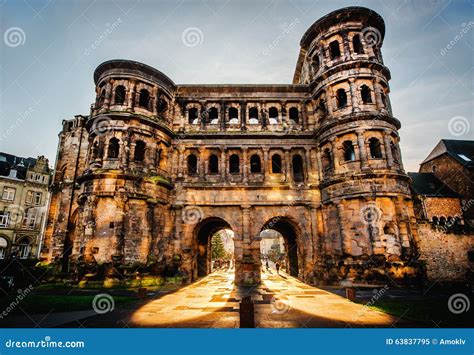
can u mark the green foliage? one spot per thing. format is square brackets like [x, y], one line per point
[217, 247]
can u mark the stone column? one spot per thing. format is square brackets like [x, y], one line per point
[388, 150]
[248, 269]
[154, 100]
[108, 94]
[285, 119]
[352, 90]
[345, 239]
[266, 169]
[347, 49]
[362, 149]
[222, 116]
[308, 164]
[287, 166]
[378, 96]
[180, 161]
[243, 113]
[202, 115]
[244, 164]
[131, 95]
[334, 154]
[202, 163]
[304, 115]
[223, 164]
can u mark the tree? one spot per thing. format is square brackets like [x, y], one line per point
[217, 247]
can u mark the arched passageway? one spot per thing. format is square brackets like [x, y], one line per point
[205, 231]
[289, 251]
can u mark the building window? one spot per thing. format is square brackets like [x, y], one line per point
[119, 98]
[4, 218]
[213, 164]
[29, 220]
[349, 153]
[298, 173]
[255, 165]
[357, 44]
[8, 193]
[375, 148]
[144, 99]
[234, 164]
[341, 98]
[253, 115]
[316, 63]
[113, 151]
[213, 116]
[365, 94]
[3, 248]
[276, 164]
[193, 116]
[37, 198]
[192, 164]
[395, 153]
[334, 49]
[139, 154]
[326, 159]
[24, 249]
[233, 115]
[294, 114]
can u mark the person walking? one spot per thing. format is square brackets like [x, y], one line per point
[277, 267]
[266, 264]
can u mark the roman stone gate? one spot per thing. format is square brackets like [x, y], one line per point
[157, 168]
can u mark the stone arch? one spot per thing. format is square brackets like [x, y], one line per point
[291, 233]
[203, 233]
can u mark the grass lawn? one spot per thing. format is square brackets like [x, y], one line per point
[55, 303]
[427, 311]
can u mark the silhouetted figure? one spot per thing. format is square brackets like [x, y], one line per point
[266, 264]
[277, 267]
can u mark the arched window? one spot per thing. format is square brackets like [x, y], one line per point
[193, 116]
[298, 173]
[375, 148]
[119, 97]
[255, 165]
[253, 115]
[24, 248]
[341, 97]
[213, 164]
[316, 62]
[233, 115]
[357, 44]
[273, 112]
[3, 248]
[114, 148]
[349, 153]
[234, 164]
[294, 114]
[102, 98]
[435, 220]
[139, 154]
[144, 100]
[334, 49]
[213, 116]
[442, 221]
[192, 164]
[276, 164]
[326, 159]
[365, 94]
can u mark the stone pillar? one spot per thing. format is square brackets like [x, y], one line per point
[222, 116]
[334, 153]
[347, 49]
[266, 169]
[378, 96]
[345, 238]
[352, 89]
[154, 100]
[308, 164]
[388, 150]
[180, 161]
[131, 95]
[223, 164]
[202, 163]
[248, 268]
[243, 113]
[178, 228]
[287, 166]
[203, 115]
[362, 149]
[304, 115]
[108, 94]
[244, 164]
[285, 119]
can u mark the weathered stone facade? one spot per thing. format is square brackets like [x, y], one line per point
[159, 167]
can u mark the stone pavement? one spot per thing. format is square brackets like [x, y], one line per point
[281, 301]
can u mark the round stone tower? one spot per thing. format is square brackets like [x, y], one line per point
[125, 189]
[365, 196]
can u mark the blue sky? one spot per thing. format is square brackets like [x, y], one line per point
[46, 71]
